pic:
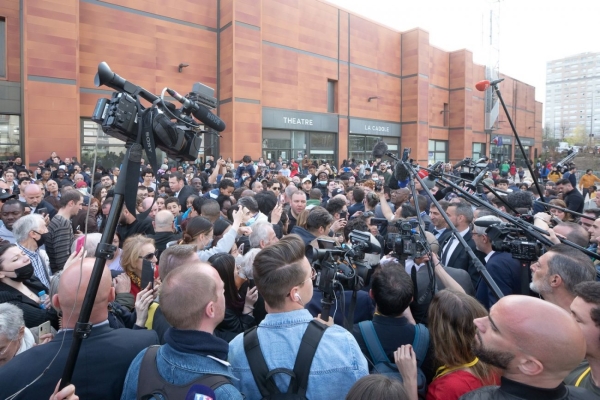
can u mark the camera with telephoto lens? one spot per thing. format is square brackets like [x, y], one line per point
[407, 242]
[511, 239]
[342, 266]
[119, 117]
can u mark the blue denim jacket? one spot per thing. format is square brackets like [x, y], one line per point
[337, 365]
[180, 368]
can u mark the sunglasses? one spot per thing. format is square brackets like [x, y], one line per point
[150, 256]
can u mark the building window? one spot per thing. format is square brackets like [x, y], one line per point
[289, 145]
[110, 150]
[331, 96]
[2, 47]
[478, 151]
[446, 113]
[10, 137]
[360, 147]
[438, 151]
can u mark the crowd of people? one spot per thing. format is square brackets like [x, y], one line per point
[214, 286]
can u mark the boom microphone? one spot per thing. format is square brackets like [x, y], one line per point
[379, 149]
[200, 112]
[483, 85]
[475, 182]
[461, 163]
[200, 392]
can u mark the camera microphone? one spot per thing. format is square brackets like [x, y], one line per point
[379, 149]
[199, 111]
[401, 174]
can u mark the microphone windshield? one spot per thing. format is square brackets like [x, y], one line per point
[379, 149]
[400, 172]
[200, 392]
[482, 85]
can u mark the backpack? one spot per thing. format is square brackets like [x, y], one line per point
[151, 383]
[264, 377]
[382, 364]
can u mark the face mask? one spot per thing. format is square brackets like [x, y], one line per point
[241, 274]
[251, 221]
[40, 241]
[324, 183]
[23, 273]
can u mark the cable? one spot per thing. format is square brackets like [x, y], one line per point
[14, 395]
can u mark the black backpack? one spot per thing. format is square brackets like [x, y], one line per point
[382, 364]
[299, 382]
[151, 383]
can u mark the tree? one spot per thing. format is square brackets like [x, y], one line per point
[579, 136]
[564, 130]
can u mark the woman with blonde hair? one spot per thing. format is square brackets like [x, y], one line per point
[136, 249]
[559, 214]
[452, 330]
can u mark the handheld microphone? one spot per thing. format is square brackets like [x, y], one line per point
[200, 392]
[379, 149]
[483, 85]
[200, 112]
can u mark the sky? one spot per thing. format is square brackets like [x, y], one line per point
[531, 32]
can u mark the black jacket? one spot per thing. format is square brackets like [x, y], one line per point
[511, 390]
[460, 258]
[184, 193]
[101, 367]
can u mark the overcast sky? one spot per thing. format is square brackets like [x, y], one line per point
[532, 32]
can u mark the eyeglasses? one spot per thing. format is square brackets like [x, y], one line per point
[150, 256]
[7, 347]
[275, 188]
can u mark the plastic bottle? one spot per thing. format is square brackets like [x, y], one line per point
[43, 297]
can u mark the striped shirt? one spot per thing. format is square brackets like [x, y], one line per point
[40, 270]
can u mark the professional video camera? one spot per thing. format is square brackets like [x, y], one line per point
[514, 240]
[470, 168]
[119, 116]
[408, 242]
[343, 267]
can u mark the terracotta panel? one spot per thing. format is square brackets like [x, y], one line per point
[365, 84]
[198, 12]
[374, 46]
[247, 63]
[248, 11]
[9, 9]
[226, 12]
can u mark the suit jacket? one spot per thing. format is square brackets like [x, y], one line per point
[460, 258]
[100, 371]
[51, 210]
[506, 272]
[184, 193]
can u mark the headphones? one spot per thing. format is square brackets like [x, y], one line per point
[297, 297]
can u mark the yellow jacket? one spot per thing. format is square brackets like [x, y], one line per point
[587, 180]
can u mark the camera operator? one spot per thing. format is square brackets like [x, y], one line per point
[503, 268]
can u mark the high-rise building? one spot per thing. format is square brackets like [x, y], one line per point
[573, 96]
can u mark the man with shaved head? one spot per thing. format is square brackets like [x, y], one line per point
[193, 302]
[535, 344]
[104, 356]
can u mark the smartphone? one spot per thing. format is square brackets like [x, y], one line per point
[43, 329]
[80, 242]
[43, 211]
[343, 214]
[147, 275]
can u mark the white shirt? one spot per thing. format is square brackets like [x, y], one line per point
[489, 255]
[451, 246]
[440, 231]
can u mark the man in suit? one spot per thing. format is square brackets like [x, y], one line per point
[34, 198]
[104, 356]
[503, 268]
[453, 254]
[180, 189]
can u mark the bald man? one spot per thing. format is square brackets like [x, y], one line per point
[193, 302]
[104, 356]
[164, 231]
[535, 344]
[35, 200]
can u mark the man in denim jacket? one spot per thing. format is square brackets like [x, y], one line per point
[283, 277]
[193, 302]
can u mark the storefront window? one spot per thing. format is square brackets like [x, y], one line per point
[295, 144]
[438, 151]
[10, 137]
[501, 153]
[360, 147]
[478, 151]
[519, 157]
